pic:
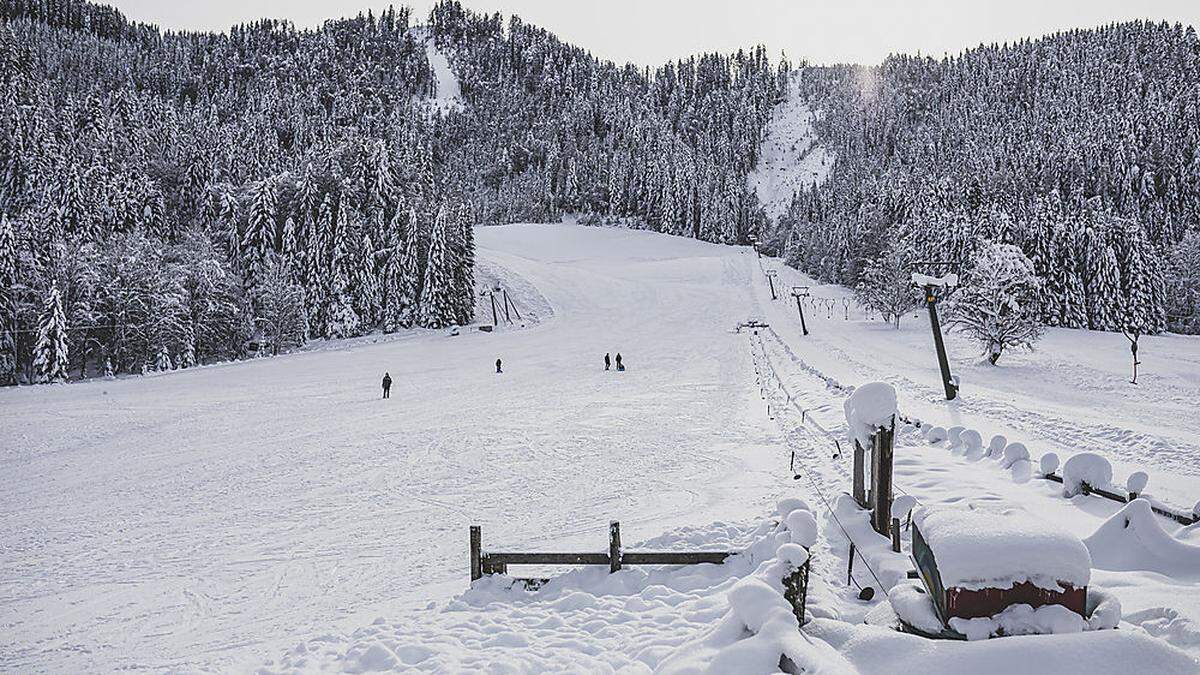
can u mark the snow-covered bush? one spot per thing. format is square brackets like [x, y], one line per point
[999, 306]
[971, 440]
[997, 445]
[1085, 467]
[936, 434]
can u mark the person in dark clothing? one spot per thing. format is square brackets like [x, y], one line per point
[607, 362]
[387, 385]
[498, 366]
[618, 360]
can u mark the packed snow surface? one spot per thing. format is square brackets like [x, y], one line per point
[978, 549]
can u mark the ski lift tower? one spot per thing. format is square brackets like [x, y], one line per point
[754, 245]
[800, 292]
[771, 274]
[937, 288]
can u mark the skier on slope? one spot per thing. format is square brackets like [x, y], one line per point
[607, 362]
[387, 385]
[620, 367]
[498, 366]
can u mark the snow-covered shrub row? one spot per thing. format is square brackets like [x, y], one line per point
[1013, 453]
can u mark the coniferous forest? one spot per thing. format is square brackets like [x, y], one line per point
[176, 198]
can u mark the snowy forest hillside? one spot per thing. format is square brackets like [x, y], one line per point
[174, 198]
[1082, 148]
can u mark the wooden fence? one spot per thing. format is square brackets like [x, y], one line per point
[497, 562]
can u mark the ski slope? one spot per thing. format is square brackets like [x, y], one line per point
[791, 156]
[210, 517]
[278, 514]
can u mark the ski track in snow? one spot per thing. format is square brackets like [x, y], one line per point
[791, 156]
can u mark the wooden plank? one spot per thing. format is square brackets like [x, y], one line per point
[512, 558]
[675, 557]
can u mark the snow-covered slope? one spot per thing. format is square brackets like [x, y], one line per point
[212, 517]
[791, 156]
[449, 94]
[277, 513]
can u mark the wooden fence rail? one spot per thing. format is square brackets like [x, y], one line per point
[497, 562]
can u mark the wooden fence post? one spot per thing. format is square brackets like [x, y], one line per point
[476, 567]
[860, 488]
[896, 535]
[614, 547]
[881, 478]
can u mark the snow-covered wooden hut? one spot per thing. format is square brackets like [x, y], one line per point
[976, 564]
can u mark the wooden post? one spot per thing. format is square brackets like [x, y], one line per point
[495, 320]
[896, 535]
[881, 478]
[506, 316]
[614, 547]
[859, 480]
[800, 307]
[476, 566]
[850, 566]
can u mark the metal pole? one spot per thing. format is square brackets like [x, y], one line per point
[495, 319]
[771, 281]
[800, 307]
[931, 303]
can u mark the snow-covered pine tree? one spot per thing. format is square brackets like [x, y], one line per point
[8, 281]
[369, 298]
[997, 307]
[50, 360]
[463, 265]
[162, 361]
[886, 285]
[260, 228]
[437, 303]
[410, 273]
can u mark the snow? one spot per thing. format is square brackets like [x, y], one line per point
[790, 156]
[870, 407]
[1085, 467]
[1136, 482]
[944, 281]
[1021, 620]
[1013, 453]
[1049, 463]
[1133, 539]
[912, 604]
[976, 549]
[276, 515]
[448, 95]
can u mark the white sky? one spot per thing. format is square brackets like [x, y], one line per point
[650, 32]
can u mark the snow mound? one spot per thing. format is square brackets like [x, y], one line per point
[971, 440]
[1133, 539]
[1049, 463]
[1013, 453]
[902, 505]
[945, 281]
[997, 445]
[871, 406]
[977, 549]
[1085, 467]
[1021, 620]
[1137, 481]
[936, 434]
[914, 607]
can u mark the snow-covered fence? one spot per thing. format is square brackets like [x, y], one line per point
[871, 419]
[497, 562]
[1088, 474]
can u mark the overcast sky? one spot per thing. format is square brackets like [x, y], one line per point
[650, 32]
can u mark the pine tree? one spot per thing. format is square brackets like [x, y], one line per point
[437, 305]
[50, 360]
[8, 281]
[410, 274]
[260, 228]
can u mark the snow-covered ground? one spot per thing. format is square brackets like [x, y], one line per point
[278, 514]
[216, 516]
[791, 156]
